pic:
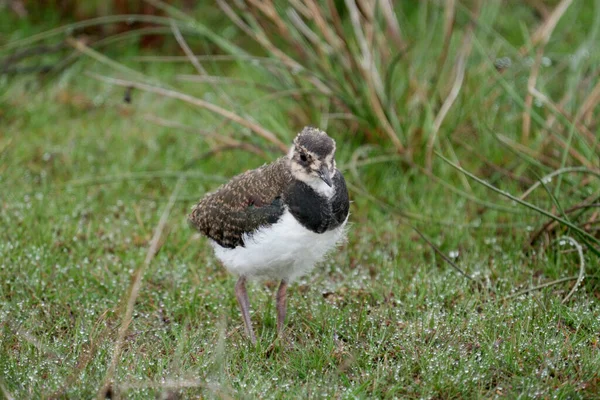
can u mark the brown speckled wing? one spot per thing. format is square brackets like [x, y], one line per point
[242, 205]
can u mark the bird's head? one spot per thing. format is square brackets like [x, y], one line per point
[312, 157]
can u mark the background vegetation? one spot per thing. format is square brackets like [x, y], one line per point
[467, 134]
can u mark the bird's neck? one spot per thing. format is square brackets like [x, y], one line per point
[321, 188]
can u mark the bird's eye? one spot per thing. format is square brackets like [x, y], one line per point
[303, 157]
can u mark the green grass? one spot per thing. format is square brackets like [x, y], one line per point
[85, 177]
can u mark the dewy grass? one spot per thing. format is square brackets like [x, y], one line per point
[85, 177]
[524, 203]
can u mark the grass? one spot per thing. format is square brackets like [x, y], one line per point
[85, 179]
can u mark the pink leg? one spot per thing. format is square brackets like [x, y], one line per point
[281, 306]
[242, 298]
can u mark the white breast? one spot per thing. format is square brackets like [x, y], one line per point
[285, 250]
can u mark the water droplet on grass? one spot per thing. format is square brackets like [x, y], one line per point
[546, 61]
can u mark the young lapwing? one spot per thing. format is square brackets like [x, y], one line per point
[277, 221]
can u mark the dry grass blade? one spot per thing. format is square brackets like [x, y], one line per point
[589, 104]
[520, 148]
[543, 33]
[40, 346]
[392, 23]
[259, 37]
[261, 101]
[535, 69]
[572, 151]
[323, 48]
[552, 119]
[559, 109]
[268, 9]
[372, 78]
[259, 130]
[213, 80]
[339, 30]
[5, 391]
[83, 48]
[581, 266]
[323, 25]
[210, 57]
[389, 130]
[217, 150]
[135, 289]
[452, 96]
[226, 139]
[68, 28]
[449, 18]
[542, 286]
[286, 32]
[551, 175]
[219, 40]
[195, 62]
[98, 180]
[368, 61]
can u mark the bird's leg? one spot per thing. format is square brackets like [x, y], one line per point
[242, 298]
[281, 306]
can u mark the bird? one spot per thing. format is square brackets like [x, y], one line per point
[278, 221]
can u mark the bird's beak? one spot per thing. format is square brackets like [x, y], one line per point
[324, 174]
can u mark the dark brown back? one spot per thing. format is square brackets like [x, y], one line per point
[242, 205]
